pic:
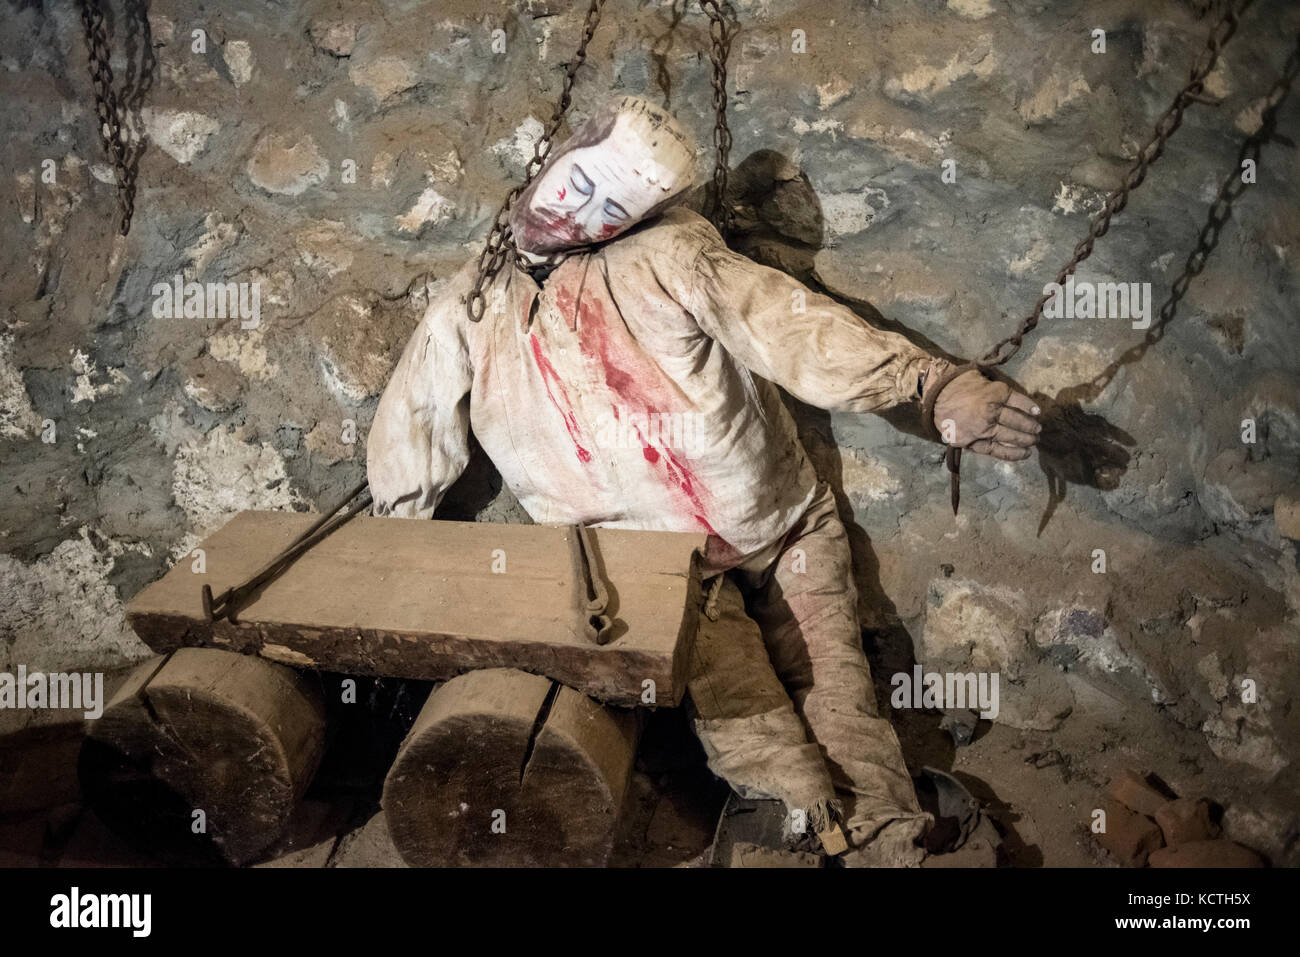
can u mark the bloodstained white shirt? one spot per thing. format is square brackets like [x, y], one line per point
[619, 393]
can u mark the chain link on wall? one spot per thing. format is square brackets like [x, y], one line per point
[108, 109]
[1172, 118]
[719, 45]
[499, 247]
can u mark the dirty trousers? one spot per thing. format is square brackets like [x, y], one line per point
[782, 697]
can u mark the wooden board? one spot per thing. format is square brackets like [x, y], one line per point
[507, 769]
[420, 599]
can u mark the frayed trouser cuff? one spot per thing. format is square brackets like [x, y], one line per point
[893, 842]
[768, 756]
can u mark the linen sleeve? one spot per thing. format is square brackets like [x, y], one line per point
[419, 441]
[810, 345]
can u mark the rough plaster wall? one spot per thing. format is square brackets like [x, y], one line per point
[165, 425]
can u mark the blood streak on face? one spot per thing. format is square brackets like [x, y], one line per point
[629, 159]
[594, 194]
[551, 379]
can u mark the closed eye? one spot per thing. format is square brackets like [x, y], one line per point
[580, 180]
[614, 212]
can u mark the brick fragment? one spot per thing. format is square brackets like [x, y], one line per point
[1186, 820]
[1129, 837]
[1206, 854]
[1132, 790]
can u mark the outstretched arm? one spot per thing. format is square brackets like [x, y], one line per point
[419, 441]
[810, 345]
[828, 356]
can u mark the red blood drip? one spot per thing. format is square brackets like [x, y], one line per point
[562, 226]
[627, 374]
[549, 376]
[679, 477]
[635, 382]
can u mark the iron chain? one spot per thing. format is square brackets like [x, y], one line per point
[719, 211]
[1169, 122]
[108, 109]
[500, 247]
[1231, 189]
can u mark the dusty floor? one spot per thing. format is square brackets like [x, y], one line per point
[1037, 788]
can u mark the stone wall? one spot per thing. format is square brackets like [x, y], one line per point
[347, 156]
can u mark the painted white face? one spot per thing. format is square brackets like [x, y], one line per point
[592, 193]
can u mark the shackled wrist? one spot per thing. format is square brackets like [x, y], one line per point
[931, 375]
[935, 380]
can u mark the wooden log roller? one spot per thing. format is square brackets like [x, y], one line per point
[234, 737]
[504, 768]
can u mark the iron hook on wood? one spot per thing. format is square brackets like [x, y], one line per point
[594, 598]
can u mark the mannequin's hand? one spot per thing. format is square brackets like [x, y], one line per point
[972, 412]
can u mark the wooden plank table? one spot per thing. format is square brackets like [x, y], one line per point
[432, 599]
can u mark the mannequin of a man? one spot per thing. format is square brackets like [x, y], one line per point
[633, 387]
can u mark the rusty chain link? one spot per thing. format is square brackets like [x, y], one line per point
[108, 109]
[719, 46]
[1231, 189]
[499, 247]
[1172, 118]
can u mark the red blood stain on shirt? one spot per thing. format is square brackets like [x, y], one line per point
[634, 381]
[551, 379]
[630, 375]
[564, 303]
[679, 477]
